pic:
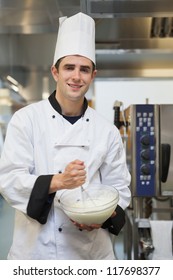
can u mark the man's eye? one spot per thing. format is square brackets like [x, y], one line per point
[69, 68]
[85, 70]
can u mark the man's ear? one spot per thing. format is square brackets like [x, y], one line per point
[54, 72]
[94, 74]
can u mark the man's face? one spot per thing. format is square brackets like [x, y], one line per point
[73, 77]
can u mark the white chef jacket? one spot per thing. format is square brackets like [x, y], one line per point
[39, 141]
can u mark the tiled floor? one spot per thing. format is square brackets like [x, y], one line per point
[6, 232]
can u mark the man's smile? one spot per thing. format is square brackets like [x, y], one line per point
[74, 86]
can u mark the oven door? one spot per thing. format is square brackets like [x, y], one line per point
[166, 150]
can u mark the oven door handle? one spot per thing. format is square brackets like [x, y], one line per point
[165, 161]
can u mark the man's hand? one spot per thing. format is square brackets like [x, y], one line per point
[86, 227]
[73, 176]
[113, 214]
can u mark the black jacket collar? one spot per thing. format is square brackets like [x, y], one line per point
[55, 104]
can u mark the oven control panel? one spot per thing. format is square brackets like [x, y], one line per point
[145, 150]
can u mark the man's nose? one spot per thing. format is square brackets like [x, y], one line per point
[76, 74]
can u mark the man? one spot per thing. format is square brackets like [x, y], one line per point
[59, 144]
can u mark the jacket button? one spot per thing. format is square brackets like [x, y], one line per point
[87, 120]
[59, 171]
[60, 229]
[53, 116]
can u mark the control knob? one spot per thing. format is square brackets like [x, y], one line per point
[145, 140]
[145, 169]
[145, 154]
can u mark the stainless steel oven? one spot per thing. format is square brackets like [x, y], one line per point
[148, 139]
[151, 132]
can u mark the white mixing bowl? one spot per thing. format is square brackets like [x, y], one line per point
[94, 205]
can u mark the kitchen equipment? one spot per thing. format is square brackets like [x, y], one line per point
[150, 156]
[150, 160]
[151, 148]
[94, 205]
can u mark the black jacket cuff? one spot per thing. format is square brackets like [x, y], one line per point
[115, 224]
[40, 200]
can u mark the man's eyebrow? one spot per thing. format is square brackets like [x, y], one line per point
[69, 64]
[85, 66]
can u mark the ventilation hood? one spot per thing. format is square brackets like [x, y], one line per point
[134, 38]
[127, 8]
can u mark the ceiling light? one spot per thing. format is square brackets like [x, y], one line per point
[12, 80]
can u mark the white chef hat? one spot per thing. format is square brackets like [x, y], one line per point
[76, 36]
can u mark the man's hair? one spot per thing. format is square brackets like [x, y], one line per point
[59, 61]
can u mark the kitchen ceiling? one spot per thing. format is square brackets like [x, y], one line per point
[134, 38]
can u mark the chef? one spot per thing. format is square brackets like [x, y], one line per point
[61, 143]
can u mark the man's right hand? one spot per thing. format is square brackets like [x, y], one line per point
[73, 176]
